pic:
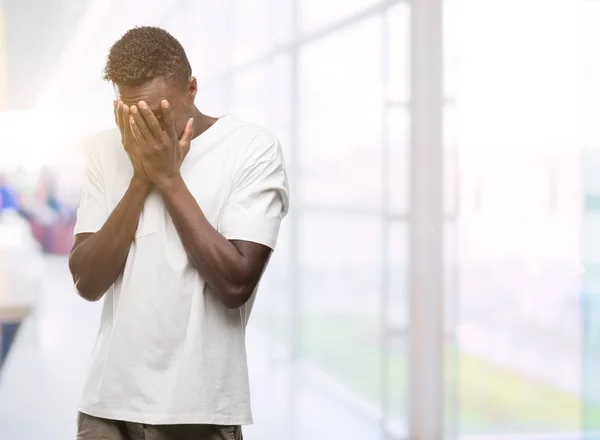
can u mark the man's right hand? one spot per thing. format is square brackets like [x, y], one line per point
[121, 111]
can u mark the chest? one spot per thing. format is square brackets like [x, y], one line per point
[209, 178]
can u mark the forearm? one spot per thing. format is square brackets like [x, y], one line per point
[97, 262]
[217, 260]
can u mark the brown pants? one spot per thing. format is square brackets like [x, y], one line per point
[94, 428]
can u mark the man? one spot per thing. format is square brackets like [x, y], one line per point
[179, 215]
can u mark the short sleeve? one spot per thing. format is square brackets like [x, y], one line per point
[260, 199]
[93, 210]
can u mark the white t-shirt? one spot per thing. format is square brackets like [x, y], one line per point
[168, 351]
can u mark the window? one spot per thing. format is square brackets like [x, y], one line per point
[341, 263]
[207, 38]
[398, 53]
[397, 162]
[519, 336]
[258, 27]
[591, 169]
[315, 14]
[341, 143]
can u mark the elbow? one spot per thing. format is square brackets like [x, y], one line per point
[89, 293]
[85, 289]
[235, 297]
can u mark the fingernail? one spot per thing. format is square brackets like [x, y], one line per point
[164, 103]
[131, 120]
[134, 110]
[142, 104]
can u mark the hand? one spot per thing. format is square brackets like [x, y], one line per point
[122, 114]
[161, 152]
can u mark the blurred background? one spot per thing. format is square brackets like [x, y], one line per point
[477, 120]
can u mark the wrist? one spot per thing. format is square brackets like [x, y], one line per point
[167, 185]
[141, 184]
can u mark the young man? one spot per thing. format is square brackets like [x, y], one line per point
[179, 215]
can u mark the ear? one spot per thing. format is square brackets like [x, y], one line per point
[192, 88]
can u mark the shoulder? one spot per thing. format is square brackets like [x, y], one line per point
[255, 144]
[105, 148]
[103, 142]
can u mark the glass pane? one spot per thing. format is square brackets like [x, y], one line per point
[250, 95]
[591, 94]
[398, 161]
[315, 14]
[451, 303]
[341, 144]
[591, 297]
[212, 98]
[261, 95]
[206, 40]
[398, 52]
[591, 278]
[452, 11]
[258, 26]
[396, 276]
[520, 224]
[451, 162]
[341, 263]
[397, 317]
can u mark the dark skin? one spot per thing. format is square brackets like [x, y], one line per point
[157, 122]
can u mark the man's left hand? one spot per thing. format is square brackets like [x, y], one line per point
[162, 153]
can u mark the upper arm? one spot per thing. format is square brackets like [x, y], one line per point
[93, 209]
[256, 257]
[260, 199]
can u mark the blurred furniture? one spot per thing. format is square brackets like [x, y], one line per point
[55, 238]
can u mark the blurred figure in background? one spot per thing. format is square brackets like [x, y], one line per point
[9, 198]
[178, 218]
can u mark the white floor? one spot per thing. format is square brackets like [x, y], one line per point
[43, 376]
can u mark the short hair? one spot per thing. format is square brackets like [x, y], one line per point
[144, 54]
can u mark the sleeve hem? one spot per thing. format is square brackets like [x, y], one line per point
[86, 228]
[254, 237]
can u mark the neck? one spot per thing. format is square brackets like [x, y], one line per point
[202, 122]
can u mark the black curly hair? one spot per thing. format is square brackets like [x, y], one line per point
[146, 53]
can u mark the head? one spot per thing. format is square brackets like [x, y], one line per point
[149, 64]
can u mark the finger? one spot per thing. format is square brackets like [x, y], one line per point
[126, 132]
[186, 137]
[168, 119]
[151, 120]
[119, 116]
[135, 130]
[141, 123]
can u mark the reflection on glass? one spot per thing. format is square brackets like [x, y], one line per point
[341, 144]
